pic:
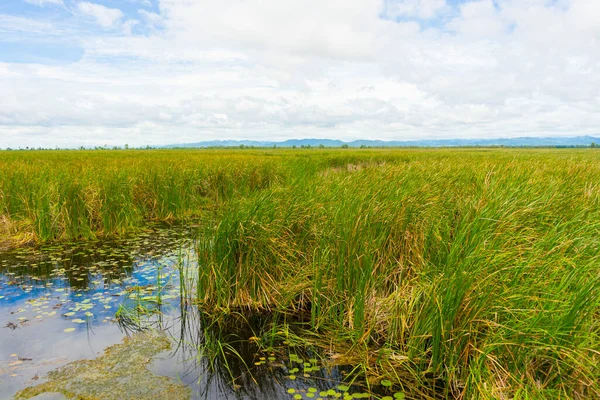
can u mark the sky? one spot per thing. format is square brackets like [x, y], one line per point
[153, 72]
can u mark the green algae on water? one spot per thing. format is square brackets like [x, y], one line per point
[121, 371]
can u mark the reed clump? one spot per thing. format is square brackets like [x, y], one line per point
[470, 274]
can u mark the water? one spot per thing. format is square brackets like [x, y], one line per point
[60, 303]
[70, 302]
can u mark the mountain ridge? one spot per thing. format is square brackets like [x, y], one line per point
[577, 141]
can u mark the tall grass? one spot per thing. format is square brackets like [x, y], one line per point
[475, 273]
[86, 194]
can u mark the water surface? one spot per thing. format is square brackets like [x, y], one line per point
[72, 301]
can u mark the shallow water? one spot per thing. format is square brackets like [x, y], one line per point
[70, 302]
[59, 303]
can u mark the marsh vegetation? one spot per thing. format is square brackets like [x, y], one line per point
[433, 273]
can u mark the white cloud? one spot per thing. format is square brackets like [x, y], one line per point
[128, 26]
[106, 17]
[424, 9]
[480, 19]
[268, 69]
[342, 28]
[14, 27]
[44, 2]
[145, 3]
[153, 20]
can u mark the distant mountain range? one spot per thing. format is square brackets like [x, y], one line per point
[506, 142]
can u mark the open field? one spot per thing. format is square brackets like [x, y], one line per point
[452, 273]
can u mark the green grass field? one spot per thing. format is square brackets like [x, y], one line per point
[453, 273]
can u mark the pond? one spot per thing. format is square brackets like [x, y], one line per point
[63, 304]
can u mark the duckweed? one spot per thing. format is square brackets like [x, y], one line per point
[122, 369]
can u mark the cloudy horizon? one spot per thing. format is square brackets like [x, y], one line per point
[155, 72]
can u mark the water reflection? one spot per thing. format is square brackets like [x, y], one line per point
[63, 303]
[223, 360]
[60, 303]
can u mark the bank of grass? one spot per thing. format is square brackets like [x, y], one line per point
[64, 195]
[54, 195]
[453, 273]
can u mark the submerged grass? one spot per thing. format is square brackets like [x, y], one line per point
[450, 273]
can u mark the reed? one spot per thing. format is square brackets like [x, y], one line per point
[54, 195]
[477, 271]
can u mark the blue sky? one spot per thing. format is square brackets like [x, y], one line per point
[154, 72]
[70, 21]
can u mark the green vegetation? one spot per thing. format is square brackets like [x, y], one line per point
[88, 194]
[122, 369]
[440, 273]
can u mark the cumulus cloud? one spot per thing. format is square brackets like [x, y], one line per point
[341, 28]
[267, 69]
[105, 16]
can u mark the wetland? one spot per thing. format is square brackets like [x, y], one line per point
[307, 273]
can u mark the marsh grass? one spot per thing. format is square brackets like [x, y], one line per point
[85, 194]
[476, 273]
[450, 273]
